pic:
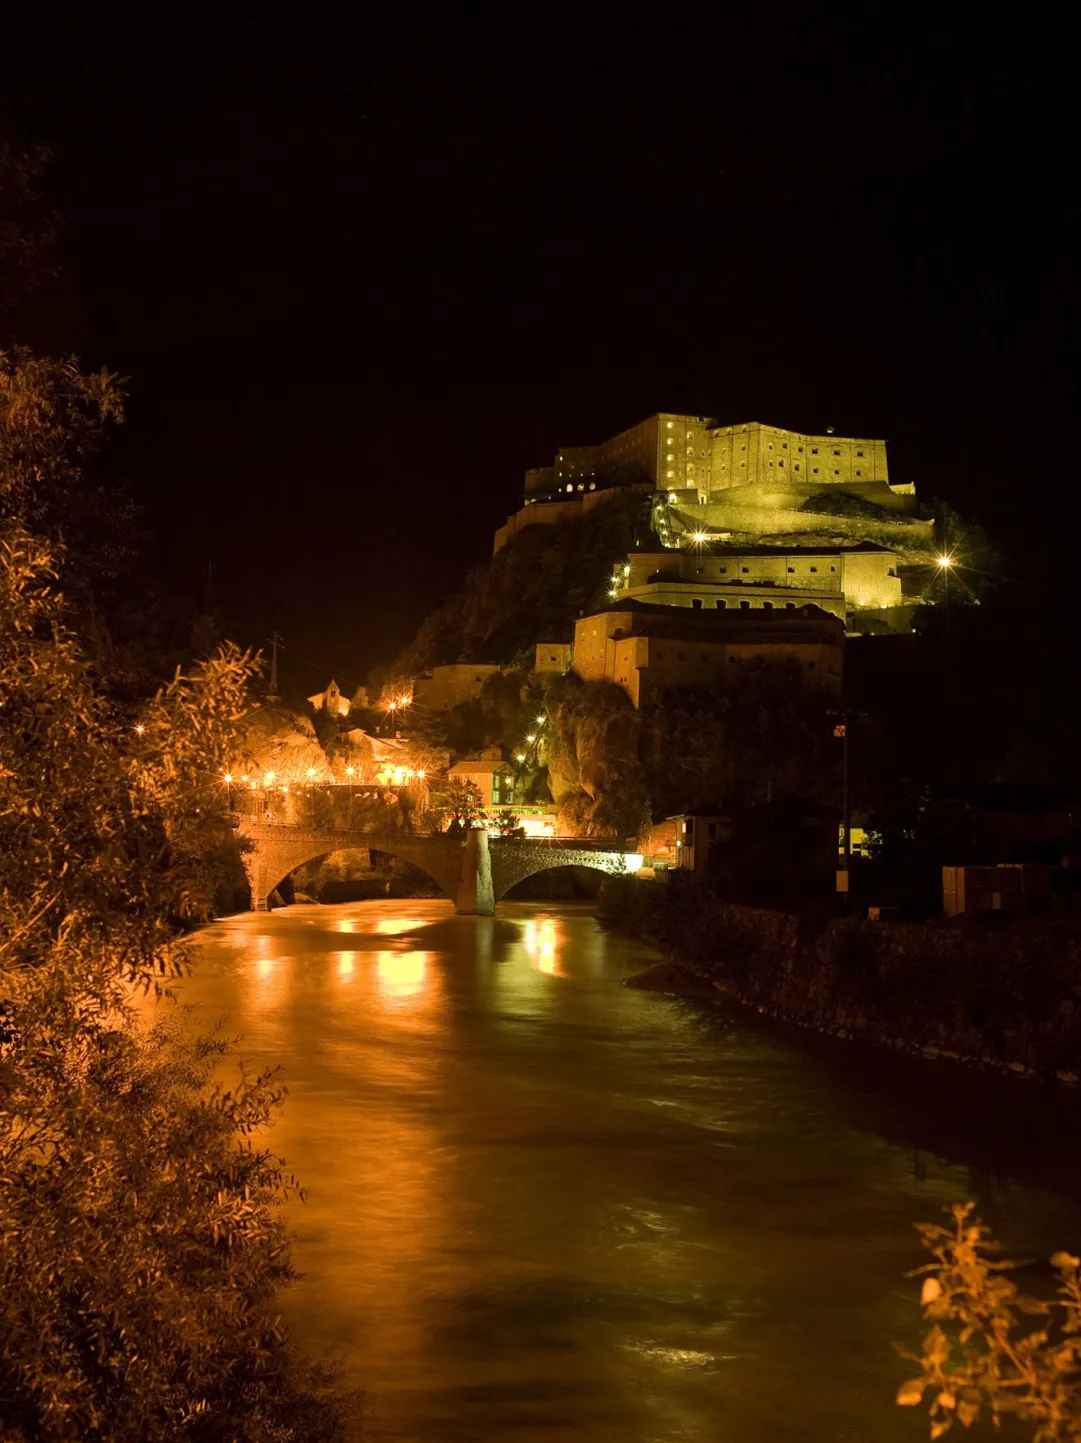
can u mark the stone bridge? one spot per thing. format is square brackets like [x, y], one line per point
[474, 871]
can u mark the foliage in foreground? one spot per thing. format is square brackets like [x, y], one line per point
[986, 1363]
[141, 1241]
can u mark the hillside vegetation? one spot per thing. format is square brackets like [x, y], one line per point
[534, 589]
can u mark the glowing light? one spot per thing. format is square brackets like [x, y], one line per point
[400, 975]
[699, 536]
[244, 778]
[945, 562]
[350, 771]
[421, 772]
[268, 778]
[286, 787]
[392, 706]
[531, 737]
[519, 756]
[228, 778]
[311, 772]
[633, 861]
[404, 701]
[627, 570]
[345, 964]
[139, 729]
[541, 718]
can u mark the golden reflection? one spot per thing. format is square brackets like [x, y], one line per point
[390, 926]
[345, 964]
[271, 973]
[541, 942]
[345, 924]
[401, 975]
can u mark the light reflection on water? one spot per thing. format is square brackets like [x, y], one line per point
[543, 1205]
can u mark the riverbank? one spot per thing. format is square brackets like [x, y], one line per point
[1006, 999]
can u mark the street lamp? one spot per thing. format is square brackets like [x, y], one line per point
[945, 562]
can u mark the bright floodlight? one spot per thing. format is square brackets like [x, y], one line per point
[228, 776]
[699, 536]
[519, 757]
[945, 561]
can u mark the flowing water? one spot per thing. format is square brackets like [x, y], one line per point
[542, 1205]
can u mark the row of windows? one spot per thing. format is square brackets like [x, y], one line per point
[746, 570]
[722, 605]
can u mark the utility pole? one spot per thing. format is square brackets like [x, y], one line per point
[275, 641]
[844, 872]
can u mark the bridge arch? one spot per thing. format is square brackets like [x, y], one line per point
[276, 851]
[512, 864]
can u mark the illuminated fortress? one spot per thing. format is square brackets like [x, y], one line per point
[748, 516]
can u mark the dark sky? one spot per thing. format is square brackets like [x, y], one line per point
[361, 275]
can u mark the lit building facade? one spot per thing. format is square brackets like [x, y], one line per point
[643, 648]
[838, 579]
[751, 454]
[695, 456]
[666, 451]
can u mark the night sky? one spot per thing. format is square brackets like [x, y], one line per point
[361, 276]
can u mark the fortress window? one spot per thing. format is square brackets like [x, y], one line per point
[833, 568]
[771, 445]
[859, 453]
[784, 445]
[790, 606]
[791, 571]
[745, 569]
[814, 568]
[814, 470]
[781, 462]
[859, 473]
[721, 603]
[745, 606]
[836, 472]
[723, 570]
[814, 450]
[836, 453]
[801, 448]
[796, 466]
[767, 606]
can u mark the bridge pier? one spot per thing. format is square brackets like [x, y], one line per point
[476, 896]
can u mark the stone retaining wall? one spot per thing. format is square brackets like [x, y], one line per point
[1006, 999]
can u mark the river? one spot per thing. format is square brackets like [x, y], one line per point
[543, 1206]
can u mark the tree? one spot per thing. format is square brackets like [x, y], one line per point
[990, 1364]
[141, 1242]
[462, 809]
